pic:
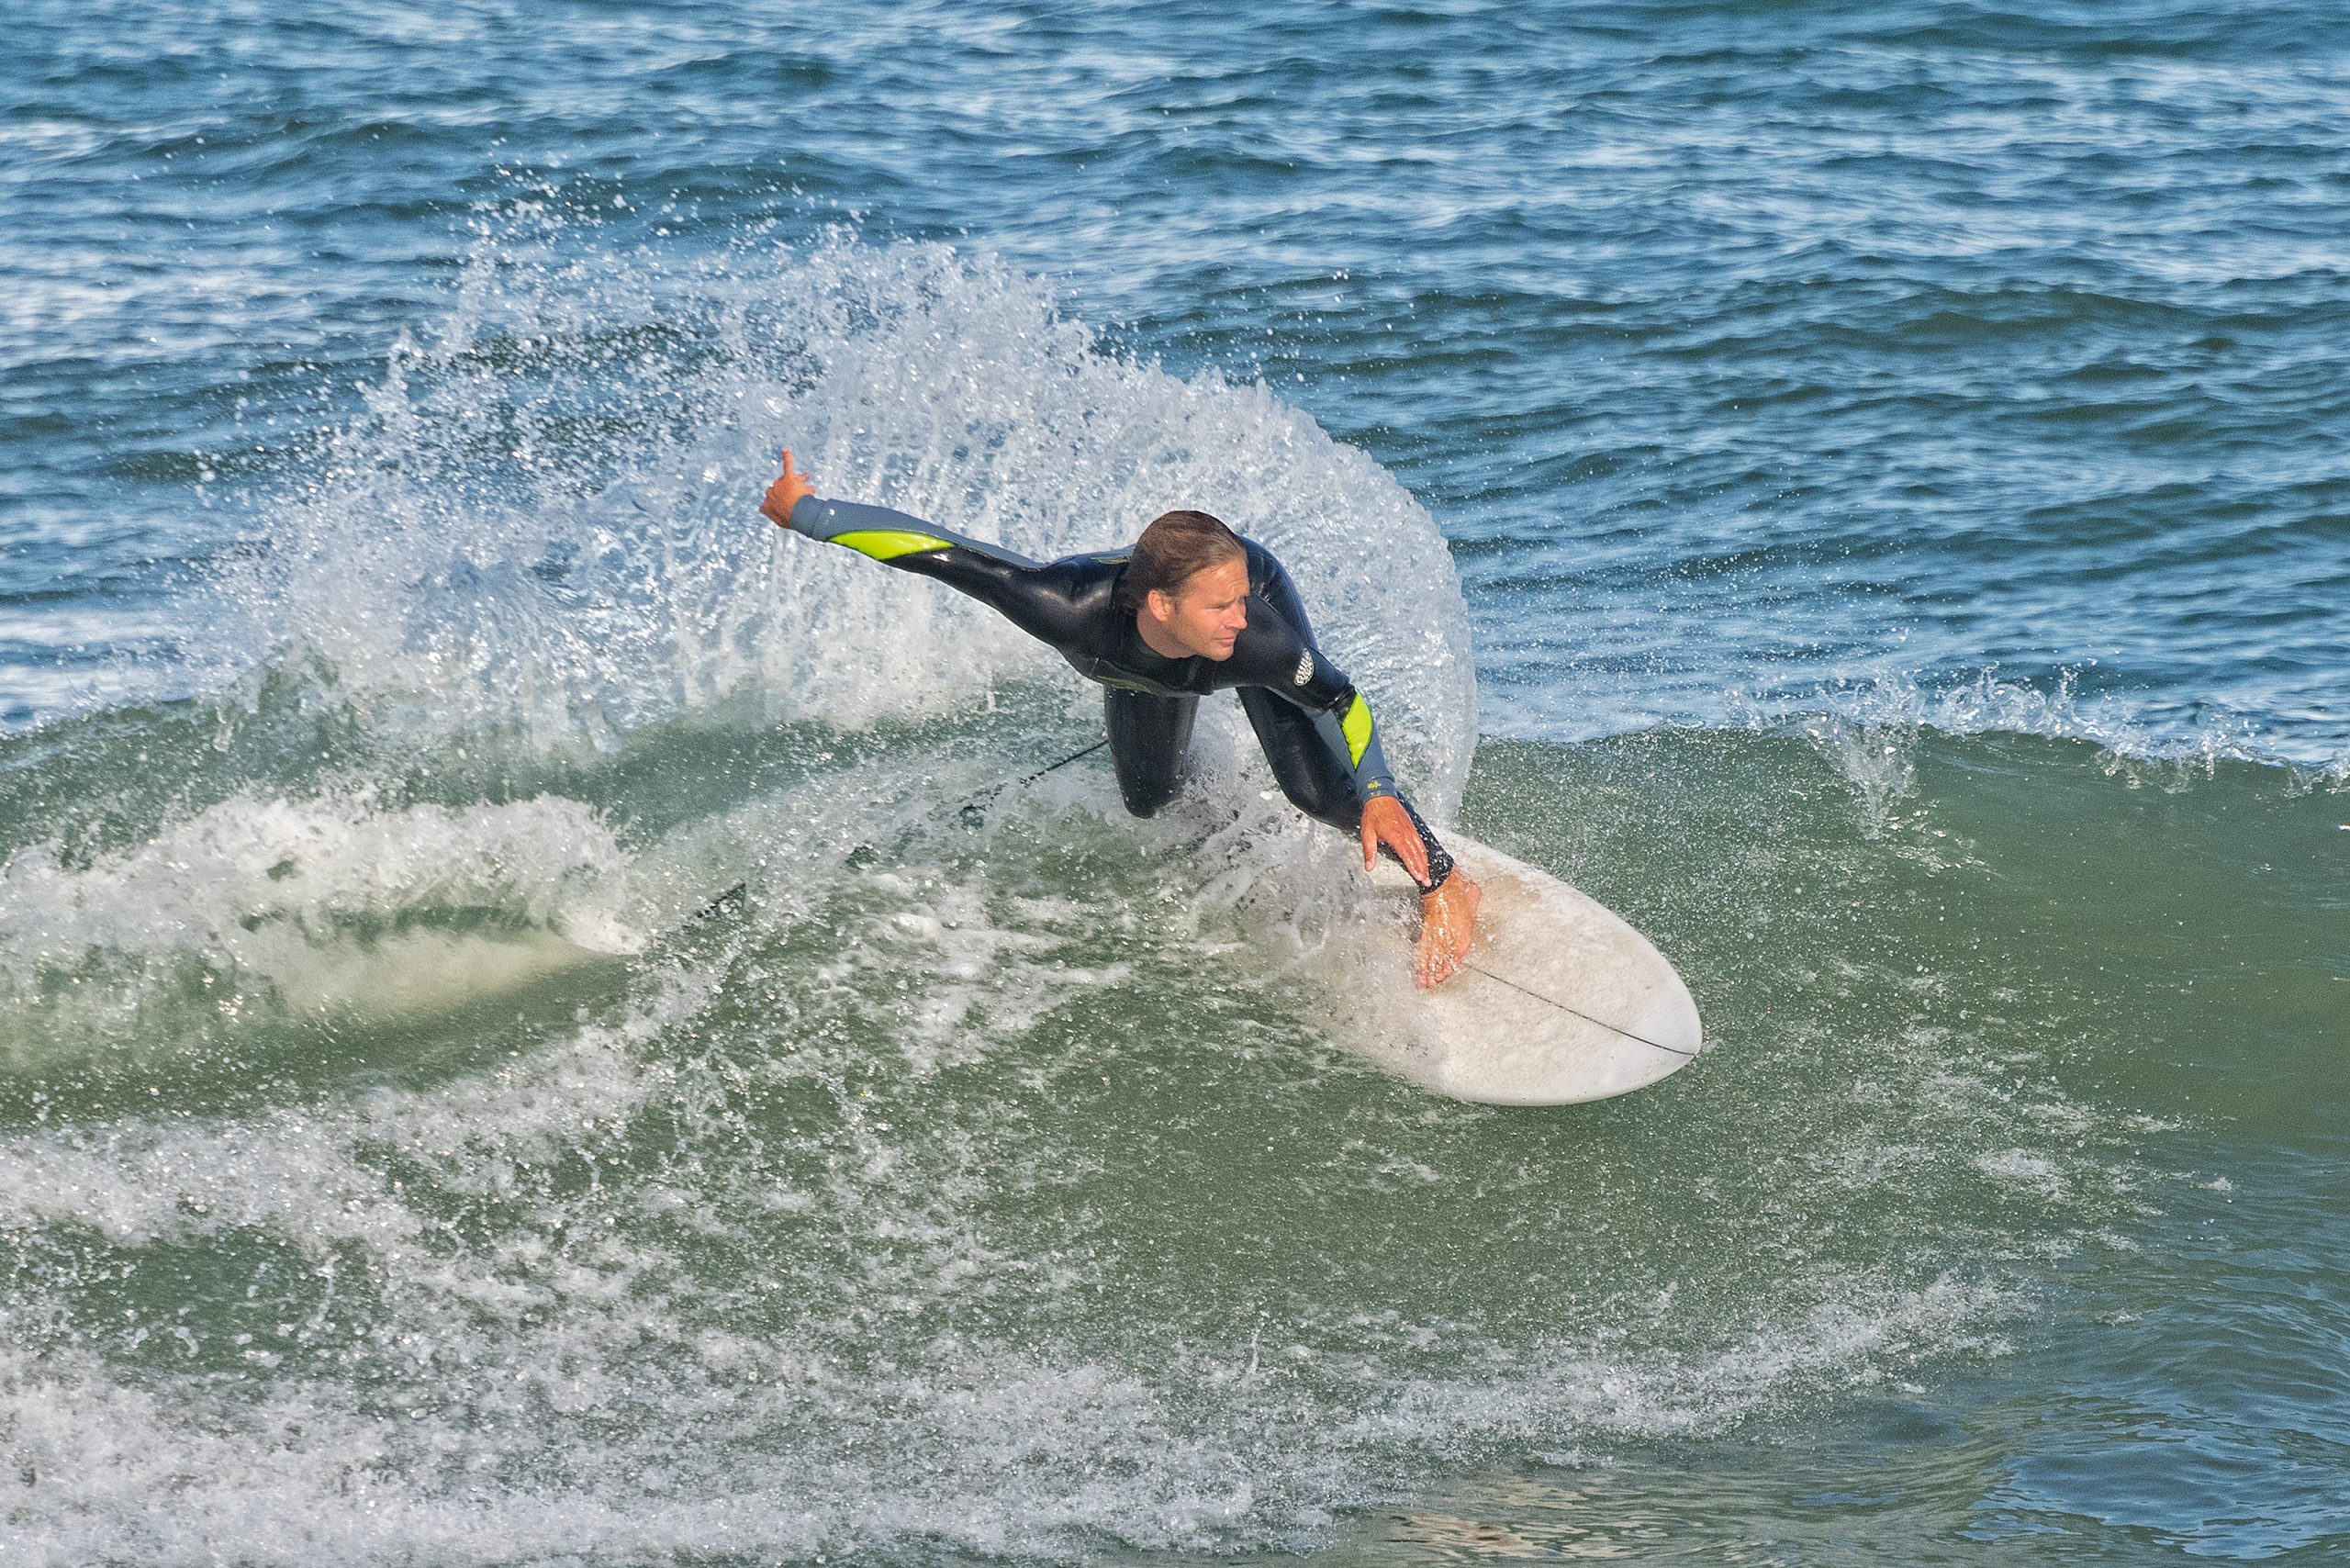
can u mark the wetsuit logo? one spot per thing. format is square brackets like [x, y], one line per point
[1305, 668]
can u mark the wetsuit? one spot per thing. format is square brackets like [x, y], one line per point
[1315, 726]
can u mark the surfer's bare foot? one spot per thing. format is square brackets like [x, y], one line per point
[1448, 925]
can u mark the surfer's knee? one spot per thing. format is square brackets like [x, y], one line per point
[1144, 797]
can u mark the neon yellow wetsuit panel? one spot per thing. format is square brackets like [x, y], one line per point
[889, 544]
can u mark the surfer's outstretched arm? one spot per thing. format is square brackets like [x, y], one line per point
[1000, 579]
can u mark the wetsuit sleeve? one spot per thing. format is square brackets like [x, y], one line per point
[1005, 580]
[1284, 660]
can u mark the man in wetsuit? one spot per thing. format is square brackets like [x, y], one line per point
[1192, 609]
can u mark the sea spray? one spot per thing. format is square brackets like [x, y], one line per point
[544, 527]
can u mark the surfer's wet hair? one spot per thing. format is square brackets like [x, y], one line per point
[1176, 546]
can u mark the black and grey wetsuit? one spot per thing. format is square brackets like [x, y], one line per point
[1315, 726]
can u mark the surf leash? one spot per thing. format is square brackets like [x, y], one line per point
[973, 813]
[1611, 1029]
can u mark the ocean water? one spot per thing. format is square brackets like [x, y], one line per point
[1861, 490]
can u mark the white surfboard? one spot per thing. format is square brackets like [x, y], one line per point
[1561, 1001]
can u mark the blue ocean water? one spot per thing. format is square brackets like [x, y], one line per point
[1861, 488]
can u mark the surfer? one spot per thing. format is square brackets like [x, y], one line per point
[1192, 609]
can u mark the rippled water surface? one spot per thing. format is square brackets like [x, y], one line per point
[1860, 489]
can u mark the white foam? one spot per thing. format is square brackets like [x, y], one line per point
[2022, 1167]
[303, 902]
[200, 882]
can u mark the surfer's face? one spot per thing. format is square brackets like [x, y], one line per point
[1206, 614]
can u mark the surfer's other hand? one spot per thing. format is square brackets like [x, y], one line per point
[1385, 821]
[1448, 925]
[785, 493]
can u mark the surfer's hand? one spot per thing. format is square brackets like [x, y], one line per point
[1385, 821]
[785, 493]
